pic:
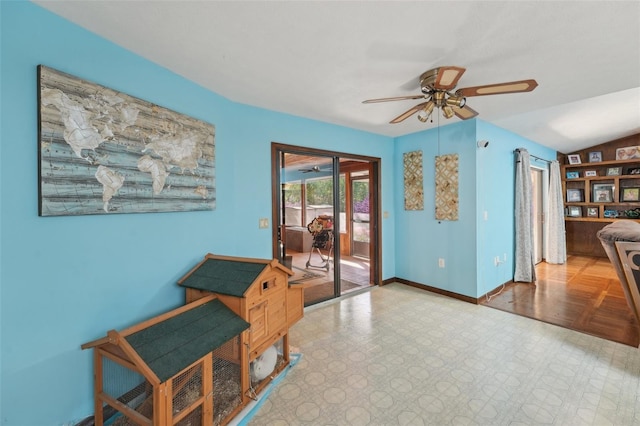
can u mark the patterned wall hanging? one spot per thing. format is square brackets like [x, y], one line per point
[105, 152]
[413, 186]
[447, 187]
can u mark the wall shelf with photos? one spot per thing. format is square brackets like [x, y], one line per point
[615, 163]
[601, 191]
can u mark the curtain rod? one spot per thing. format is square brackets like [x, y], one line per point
[531, 155]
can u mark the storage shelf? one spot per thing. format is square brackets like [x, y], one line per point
[585, 184]
[603, 163]
[598, 219]
[604, 203]
[584, 218]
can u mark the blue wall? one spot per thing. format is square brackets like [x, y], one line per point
[421, 239]
[495, 180]
[486, 183]
[67, 280]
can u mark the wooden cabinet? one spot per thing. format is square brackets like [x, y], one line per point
[582, 228]
[601, 192]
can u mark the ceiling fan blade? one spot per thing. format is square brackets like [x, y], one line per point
[397, 98]
[408, 113]
[448, 77]
[464, 113]
[499, 88]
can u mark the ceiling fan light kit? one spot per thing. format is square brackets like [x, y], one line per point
[436, 86]
[424, 113]
[447, 111]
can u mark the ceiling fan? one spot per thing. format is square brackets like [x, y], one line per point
[314, 169]
[437, 87]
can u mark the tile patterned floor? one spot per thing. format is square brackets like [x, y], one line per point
[397, 355]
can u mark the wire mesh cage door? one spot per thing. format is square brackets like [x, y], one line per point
[227, 381]
[125, 395]
[189, 402]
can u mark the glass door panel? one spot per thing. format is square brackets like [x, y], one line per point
[327, 222]
[308, 219]
[360, 217]
[355, 269]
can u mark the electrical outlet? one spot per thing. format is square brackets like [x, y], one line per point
[496, 260]
[441, 263]
[263, 223]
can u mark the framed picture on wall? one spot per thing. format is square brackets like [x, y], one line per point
[102, 151]
[574, 211]
[628, 153]
[575, 196]
[574, 158]
[630, 194]
[592, 212]
[590, 173]
[602, 193]
[614, 171]
[573, 175]
[595, 157]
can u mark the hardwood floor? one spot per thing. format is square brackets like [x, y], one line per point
[583, 295]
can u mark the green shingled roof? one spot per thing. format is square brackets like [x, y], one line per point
[171, 345]
[230, 277]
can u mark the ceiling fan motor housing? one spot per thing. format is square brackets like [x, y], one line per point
[428, 80]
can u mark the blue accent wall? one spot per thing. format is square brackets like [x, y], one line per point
[421, 239]
[486, 183]
[495, 193]
[65, 281]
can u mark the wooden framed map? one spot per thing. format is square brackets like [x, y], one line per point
[105, 152]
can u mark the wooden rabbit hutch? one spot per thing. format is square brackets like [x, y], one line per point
[256, 290]
[183, 367]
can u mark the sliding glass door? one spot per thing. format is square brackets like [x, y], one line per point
[322, 208]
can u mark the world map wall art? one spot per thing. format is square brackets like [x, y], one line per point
[105, 152]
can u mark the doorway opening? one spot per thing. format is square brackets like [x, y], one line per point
[325, 215]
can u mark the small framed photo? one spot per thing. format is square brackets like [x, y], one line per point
[595, 157]
[573, 175]
[630, 194]
[574, 211]
[602, 193]
[592, 212]
[614, 171]
[633, 171]
[575, 196]
[574, 159]
[590, 173]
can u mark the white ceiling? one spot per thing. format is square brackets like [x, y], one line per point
[321, 59]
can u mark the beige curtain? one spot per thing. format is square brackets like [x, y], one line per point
[525, 270]
[556, 241]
